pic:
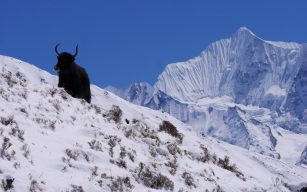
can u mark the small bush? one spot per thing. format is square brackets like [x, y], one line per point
[173, 149]
[115, 114]
[26, 150]
[225, 164]
[95, 145]
[172, 165]
[72, 154]
[112, 144]
[206, 156]
[169, 128]
[35, 186]
[4, 149]
[123, 152]
[10, 80]
[121, 184]
[135, 121]
[7, 184]
[154, 180]
[131, 156]
[95, 171]
[188, 179]
[121, 163]
[76, 188]
[96, 108]
[8, 121]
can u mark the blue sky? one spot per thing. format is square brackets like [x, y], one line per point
[121, 42]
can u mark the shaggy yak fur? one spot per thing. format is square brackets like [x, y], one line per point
[72, 77]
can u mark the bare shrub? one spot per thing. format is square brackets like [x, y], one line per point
[123, 152]
[115, 114]
[96, 108]
[128, 133]
[35, 186]
[7, 184]
[8, 121]
[26, 150]
[76, 188]
[16, 165]
[131, 156]
[154, 180]
[95, 145]
[206, 156]
[188, 179]
[120, 184]
[172, 165]
[112, 143]
[4, 149]
[135, 121]
[56, 104]
[15, 131]
[22, 79]
[121, 163]
[225, 164]
[72, 154]
[95, 171]
[173, 149]
[169, 128]
[23, 110]
[10, 80]
[47, 123]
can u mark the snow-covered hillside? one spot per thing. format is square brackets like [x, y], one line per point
[53, 142]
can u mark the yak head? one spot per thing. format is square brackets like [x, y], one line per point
[65, 60]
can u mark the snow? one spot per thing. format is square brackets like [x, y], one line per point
[276, 90]
[59, 143]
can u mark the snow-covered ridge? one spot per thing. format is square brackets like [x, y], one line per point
[50, 141]
[243, 66]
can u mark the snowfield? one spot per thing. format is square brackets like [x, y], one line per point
[50, 141]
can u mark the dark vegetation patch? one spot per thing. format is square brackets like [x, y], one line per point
[4, 150]
[115, 114]
[225, 164]
[188, 179]
[153, 179]
[169, 128]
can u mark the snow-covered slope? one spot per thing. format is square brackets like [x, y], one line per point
[50, 141]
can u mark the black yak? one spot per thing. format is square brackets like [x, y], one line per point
[72, 77]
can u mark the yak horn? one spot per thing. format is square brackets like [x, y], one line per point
[76, 53]
[56, 49]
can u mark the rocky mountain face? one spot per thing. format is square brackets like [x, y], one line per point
[238, 90]
[137, 93]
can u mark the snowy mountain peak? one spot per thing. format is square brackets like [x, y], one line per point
[244, 31]
[266, 80]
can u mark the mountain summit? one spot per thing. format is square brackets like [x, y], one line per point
[243, 67]
[238, 90]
